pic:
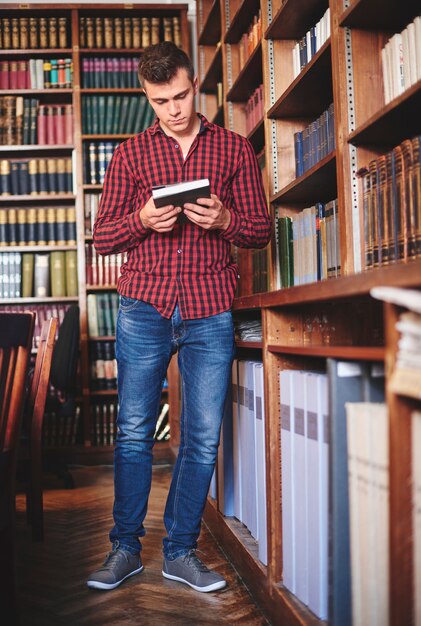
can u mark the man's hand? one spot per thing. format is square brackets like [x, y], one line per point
[162, 220]
[210, 214]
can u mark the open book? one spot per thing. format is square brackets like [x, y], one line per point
[180, 193]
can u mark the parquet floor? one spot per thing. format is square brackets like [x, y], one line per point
[51, 575]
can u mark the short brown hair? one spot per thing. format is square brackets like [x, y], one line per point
[160, 63]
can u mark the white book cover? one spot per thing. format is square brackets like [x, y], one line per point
[416, 509]
[92, 314]
[317, 493]
[412, 50]
[236, 436]
[287, 480]
[406, 59]
[261, 495]
[244, 452]
[251, 452]
[417, 24]
[385, 71]
[397, 65]
[300, 486]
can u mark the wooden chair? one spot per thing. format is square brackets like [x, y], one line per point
[16, 332]
[30, 446]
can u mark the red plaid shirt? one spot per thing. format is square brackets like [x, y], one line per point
[189, 264]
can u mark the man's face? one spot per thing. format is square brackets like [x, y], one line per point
[173, 102]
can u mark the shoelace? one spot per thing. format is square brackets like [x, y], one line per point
[193, 561]
[112, 557]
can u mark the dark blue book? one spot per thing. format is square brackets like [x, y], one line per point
[298, 149]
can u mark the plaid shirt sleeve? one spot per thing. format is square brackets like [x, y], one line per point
[118, 226]
[250, 225]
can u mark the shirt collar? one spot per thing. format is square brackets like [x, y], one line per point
[204, 125]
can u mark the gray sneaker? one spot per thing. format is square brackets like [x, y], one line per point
[189, 569]
[119, 565]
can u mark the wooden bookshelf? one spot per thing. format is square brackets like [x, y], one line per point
[347, 71]
[78, 53]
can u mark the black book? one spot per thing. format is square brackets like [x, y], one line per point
[179, 194]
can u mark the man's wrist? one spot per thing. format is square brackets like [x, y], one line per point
[227, 220]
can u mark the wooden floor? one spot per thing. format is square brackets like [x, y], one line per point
[52, 574]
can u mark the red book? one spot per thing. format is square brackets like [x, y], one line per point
[13, 75]
[50, 125]
[94, 266]
[68, 124]
[21, 74]
[42, 125]
[89, 276]
[4, 75]
[61, 72]
[59, 124]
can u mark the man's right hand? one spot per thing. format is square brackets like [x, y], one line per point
[162, 220]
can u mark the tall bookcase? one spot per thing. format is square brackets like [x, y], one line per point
[81, 48]
[346, 70]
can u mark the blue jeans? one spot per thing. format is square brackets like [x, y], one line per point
[145, 342]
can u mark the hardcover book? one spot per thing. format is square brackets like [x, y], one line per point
[179, 194]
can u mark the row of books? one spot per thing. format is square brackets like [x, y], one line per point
[36, 74]
[34, 32]
[317, 498]
[102, 313]
[90, 203]
[110, 72]
[96, 157]
[36, 176]
[38, 227]
[104, 427]
[43, 312]
[254, 109]
[39, 275]
[103, 365]
[315, 142]
[306, 47]
[61, 430]
[242, 461]
[128, 32]
[309, 245]
[23, 121]
[100, 269]
[116, 115]
[401, 60]
[392, 205]
[250, 39]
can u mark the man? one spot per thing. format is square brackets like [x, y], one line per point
[176, 290]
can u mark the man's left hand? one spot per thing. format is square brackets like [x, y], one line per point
[210, 214]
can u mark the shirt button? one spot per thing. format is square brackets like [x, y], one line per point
[179, 251]
[176, 145]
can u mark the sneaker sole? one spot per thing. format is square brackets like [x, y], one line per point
[93, 584]
[214, 587]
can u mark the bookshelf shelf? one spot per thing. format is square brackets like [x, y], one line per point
[26, 248]
[240, 20]
[45, 300]
[213, 75]
[249, 78]
[37, 52]
[311, 92]
[257, 136]
[92, 187]
[211, 31]
[353, 353]
[34, 148]
[36, 92]
[92, 288]
[395, 122]
[110, 51]
[319, 181]
[294, 18]
[109, 136]
[378, 15]
[252, 345]
[103, 392]
[57, 197]
[110, 91]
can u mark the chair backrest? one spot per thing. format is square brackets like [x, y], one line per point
[41, 378]
[66, 350]
[16, 332]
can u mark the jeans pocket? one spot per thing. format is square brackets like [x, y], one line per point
[128, 304]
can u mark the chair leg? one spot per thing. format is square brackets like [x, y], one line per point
[36, 496]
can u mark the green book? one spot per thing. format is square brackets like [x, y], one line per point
[123, 114]
[95, 115]
[286, 251]
[116, 118]
[101, 110]
[27, 274]
[71, 273]
[109, 117]
[58, 274]
[131, 116]
[149, 117]
[140, 113]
